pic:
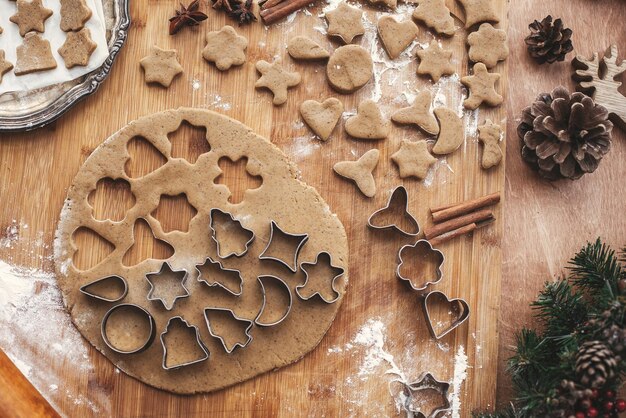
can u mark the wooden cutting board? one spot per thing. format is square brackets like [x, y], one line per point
[380, 334]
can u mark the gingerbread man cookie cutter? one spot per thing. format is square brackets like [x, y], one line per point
[141, 347]
[204, 357]
[221, 338]
[341, 272]
[234, 221]
[424, 247]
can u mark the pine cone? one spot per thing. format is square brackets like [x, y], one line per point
[595, 364]
[564, 136]
[549, 42]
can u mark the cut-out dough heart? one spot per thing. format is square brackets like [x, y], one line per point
[322, 117]
[360, 171]
[303, 48]
[396, 36]
[451, 134]
[418, 114]
[455, 305]
[368, 123]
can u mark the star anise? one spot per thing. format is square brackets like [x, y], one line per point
[187, 16]
[242, 12]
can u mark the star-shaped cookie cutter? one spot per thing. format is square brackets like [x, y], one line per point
[222, 340]
[427, 382]
[166, 267]
[422, 246]
[340, 272]
[275, 229]
[200, 344]
[399, 192]
[235, 221]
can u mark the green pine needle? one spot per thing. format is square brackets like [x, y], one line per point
[596, 270]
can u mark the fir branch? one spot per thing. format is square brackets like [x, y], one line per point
[596, 270]
[562, 309]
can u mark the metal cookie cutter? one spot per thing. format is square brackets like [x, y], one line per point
[427, 382]
[401, 193]
[339, 270]
[200, 344]
[276, 230]
[222, 340]
[423, 247]
[85, 289]
[166, 268]
[234, 221]
[224, 270]
[264, 291]
[463, 314]
[140, 348]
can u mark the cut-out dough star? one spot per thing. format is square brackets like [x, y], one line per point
[427, 383]
[360, 171]
[435, 61]
[489, 135]
[225, 48]
[477, 11]
[345, 22]
[5, 65]
[418, 114]
[30, 16]
[161, 66]
[488, 45]
[77, 48]
[413, 159]
[167, 285]
[276, 79]
[481, 87]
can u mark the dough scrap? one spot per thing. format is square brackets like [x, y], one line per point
[436, 15]
[489, 135]
[451, 134]
[349, 68]
[396, 36]
[477, 11]
[5, 66]
[413, 159]
[225, 48]
[161, 66]
[481, 87]
[77, 48]
[304, 48]
[435, 61]
[418, 114]
[74, 15]
[345, 22]
[392, 4]
[34, 55]
[30, 16]
[488, 45]
[276, 79]
[368, 123]
[360, 171]
[322, 117]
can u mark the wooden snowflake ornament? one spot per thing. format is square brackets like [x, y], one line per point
[597, 78]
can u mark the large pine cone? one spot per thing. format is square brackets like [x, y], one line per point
[564, 136]
[595, 364]
[549, 42]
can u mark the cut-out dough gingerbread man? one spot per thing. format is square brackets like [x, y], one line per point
[276, 79]
[481, 87]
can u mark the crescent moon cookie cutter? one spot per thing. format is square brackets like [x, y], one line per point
[257, 320]
[166, 268]
[427, 382]
[221, 338]
[424, 247]
[84, 288]
[401, 193]
[275, 230]
[234, 222]
[463, 314]
[340, 272]
[141, 347]
[202, 358]
[216, 283]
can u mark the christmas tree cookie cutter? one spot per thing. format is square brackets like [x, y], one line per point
[463, 314]
[399, 193]
[275, 230]
[141, 347]
[424, 248]
[205, 351]
[229, 350]
[339, 270]
[234, 222]
[166, 268]
[216, 283]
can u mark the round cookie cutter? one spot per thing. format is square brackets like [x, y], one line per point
[142, 347]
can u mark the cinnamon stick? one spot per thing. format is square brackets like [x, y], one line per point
[452, 224]
[281, 10]
[441, 215]
[270, 3]
[453, 234]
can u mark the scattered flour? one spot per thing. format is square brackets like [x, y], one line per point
[460, 374]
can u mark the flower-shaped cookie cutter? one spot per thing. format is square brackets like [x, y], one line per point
[85, 288]
[340, 272]
[276, 230]
[140, 347]
[264, 292]
[424, 247]
[463, 315]
[219, 265]
[401, 193]
[204, 357]
[166, 268]
[222, 339]
[234, 221]
[427, 382]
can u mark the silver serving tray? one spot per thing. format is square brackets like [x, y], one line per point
[27, 110]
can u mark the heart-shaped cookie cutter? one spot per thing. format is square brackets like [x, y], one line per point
[399, 192]
[223, 269]
[463, 315]
[428, 382]
[234, 221]
[422, 246]
[199, 341]
[222, 340]
[341, 272]
[151, 329]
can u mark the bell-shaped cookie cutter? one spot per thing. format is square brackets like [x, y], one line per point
[463, 315]
[422, 245]
[306, 278]
[167, 266]
[236, 221]
[264, 292]
[222, 340]
[151, 333]
[83, 289]
[399, 192]
[199, 341]
[428, 382]
[216, 283]
[274, 229]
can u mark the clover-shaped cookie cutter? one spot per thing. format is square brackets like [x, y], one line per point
[463, 315]
[399, 192]
[234, 221]
[216, 283]
[164, 269]
[222, 340]
[199, 341]
[424, 247]
[151, 329]
[84, 289]
[341, 272]
[428, 382]
[264, 292]
[274, 228]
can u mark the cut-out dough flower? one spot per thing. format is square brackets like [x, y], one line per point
[435, 61]
[225, 48]
[77, 48]
[30, 16]
[481, 87]
[345, 22]
[488, 45]
[360, 171]
[477, 11]
[276, 79]
[5, 66]
[161, 66]
[413, 159]
[418, 114]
